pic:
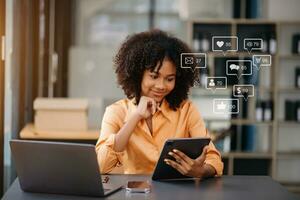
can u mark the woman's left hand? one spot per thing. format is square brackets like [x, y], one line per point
[190, 167]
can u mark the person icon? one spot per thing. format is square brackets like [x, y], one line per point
[212, 83]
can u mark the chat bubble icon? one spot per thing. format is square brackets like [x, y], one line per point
[213, 83]
[261, 61]
[251, 44]
[244, 91]
[224, 43]
[225, 106]
[238, 68]
[193, 60]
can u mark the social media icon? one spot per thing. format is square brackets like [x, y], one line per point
[234, 67]
[189, 60]
[258, 60]
[224, 43]
[262, 61]
[214, 83]
[220, 43]
[225, 106]
[239, 91]
[244, 91]
[221, 105]
[238, 68]
[193, 60]
[251, 44]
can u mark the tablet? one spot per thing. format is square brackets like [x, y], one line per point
[192, 147]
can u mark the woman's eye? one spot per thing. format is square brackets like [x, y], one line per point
[170, 79]
[153, 76]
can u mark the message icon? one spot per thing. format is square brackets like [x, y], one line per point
[224, 43]
[193, 60]
[261, 61]
[226, 106]
[253, 44]
[213, 83]
[245, 91]
[238, 67]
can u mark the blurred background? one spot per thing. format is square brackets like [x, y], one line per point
[65, 49]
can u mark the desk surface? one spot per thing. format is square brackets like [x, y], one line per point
[226, 187]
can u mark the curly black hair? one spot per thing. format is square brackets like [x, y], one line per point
[144, 51]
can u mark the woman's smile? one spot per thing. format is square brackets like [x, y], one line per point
[158, 93]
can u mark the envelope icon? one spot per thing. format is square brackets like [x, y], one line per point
[189, 60]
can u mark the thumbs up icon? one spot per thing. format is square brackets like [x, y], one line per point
[221, 106]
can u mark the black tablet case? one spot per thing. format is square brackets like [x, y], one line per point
[192, 147]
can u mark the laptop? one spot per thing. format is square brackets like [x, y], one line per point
[59, 168]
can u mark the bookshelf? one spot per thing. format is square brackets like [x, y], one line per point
[275, 83]
[285, 89]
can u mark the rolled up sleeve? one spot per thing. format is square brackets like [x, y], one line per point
[197, 129]
[108, 159]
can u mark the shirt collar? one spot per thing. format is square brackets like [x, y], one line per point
[165, 109]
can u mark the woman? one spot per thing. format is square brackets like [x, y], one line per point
[157, 108]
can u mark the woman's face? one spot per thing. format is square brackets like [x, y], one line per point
[158, 84]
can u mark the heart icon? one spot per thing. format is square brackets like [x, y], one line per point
[220, 43]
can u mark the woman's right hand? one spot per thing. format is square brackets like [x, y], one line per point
[146, 107]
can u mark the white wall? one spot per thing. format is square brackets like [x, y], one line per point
[189, 9]
[84, 10]
[283, 9]
[92, 76]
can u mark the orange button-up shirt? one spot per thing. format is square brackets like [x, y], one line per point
[143, 148]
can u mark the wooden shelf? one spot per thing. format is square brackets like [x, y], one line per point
[200, 91]
[244, 21]
[210, 21]
[249, 122]
[294, 189]
[217, 120]
[233, 54]
[288, 154]
[291, 186]
[29, 132]
[130, 13]
[240, 121]
[205, 92]
[249, 155]
[288, 22]
[231, 21]
[289, 90]
[289, 123]
[288, 182]
[265, 89]
[290, 56]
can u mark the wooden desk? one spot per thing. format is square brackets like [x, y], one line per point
[224, 188]
[28, 132]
